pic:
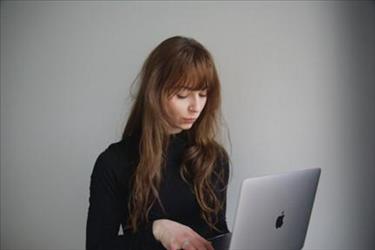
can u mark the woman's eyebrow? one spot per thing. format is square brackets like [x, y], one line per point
[193, 89]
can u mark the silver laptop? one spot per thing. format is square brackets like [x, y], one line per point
[273, 212]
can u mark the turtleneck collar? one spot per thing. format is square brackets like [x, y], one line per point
[181, 136]
[173, 138]
[176, 146]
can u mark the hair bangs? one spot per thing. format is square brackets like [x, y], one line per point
[196, 75]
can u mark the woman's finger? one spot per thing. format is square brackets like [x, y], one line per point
[199, 244]
[208, 245]
[174, 246]
[203, 243]
[190, 247]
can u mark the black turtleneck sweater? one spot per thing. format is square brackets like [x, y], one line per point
[109, 195]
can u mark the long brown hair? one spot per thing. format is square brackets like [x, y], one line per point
[177, 62]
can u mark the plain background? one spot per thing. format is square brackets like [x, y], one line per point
[298, 92]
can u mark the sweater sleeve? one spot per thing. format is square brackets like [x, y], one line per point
[106, 207]
[109, 195]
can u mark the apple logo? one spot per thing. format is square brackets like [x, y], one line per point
[280, 220]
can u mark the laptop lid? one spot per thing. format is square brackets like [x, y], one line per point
[273, 211]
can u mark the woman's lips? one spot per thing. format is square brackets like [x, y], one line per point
[189, 120]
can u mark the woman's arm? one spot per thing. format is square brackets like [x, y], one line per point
[108, 207]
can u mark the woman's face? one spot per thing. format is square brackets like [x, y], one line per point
[184, 108]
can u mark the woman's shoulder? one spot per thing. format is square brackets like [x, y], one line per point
[124, 148]
[118, 157]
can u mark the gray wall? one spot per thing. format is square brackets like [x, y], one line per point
[298, 92]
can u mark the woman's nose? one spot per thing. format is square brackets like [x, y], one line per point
[194, 105]
[193, 108]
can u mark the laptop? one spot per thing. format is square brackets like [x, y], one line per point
[273, 212]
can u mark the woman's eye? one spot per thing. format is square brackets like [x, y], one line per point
[185, 95]
[181, 96]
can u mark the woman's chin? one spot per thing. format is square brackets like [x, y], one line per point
[186, 125]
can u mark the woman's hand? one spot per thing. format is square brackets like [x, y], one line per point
[174, 236]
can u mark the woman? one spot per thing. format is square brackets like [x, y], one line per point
[165, 181]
